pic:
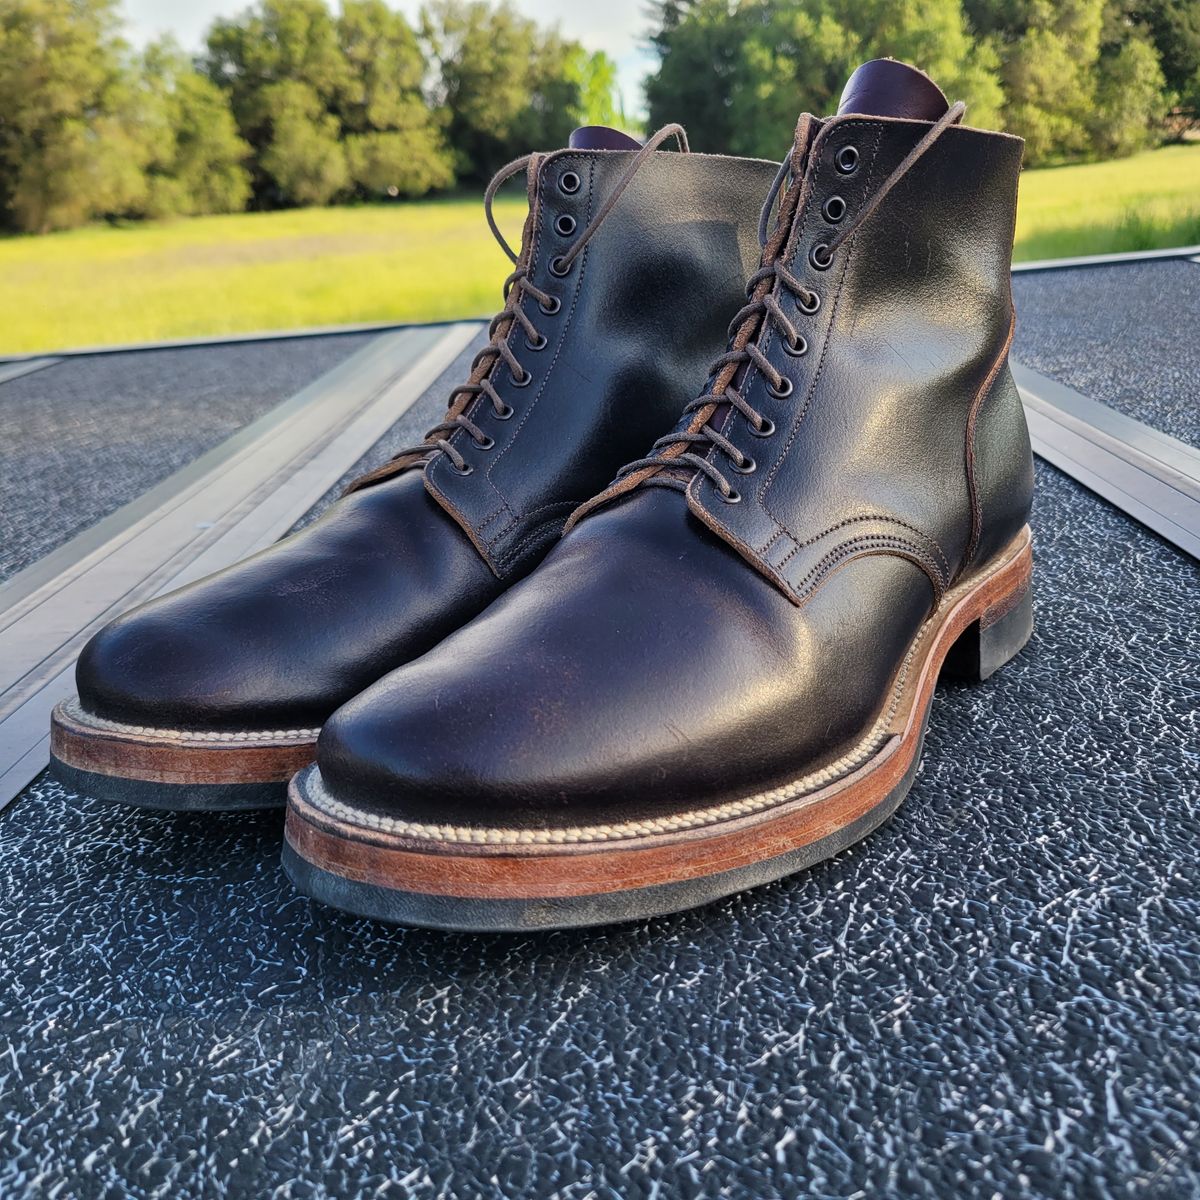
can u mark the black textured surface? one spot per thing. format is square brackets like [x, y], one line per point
[87, 435]
[997, 994]
[1127, 335]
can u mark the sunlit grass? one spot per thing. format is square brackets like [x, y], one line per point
[1145, 202]
[436, 259]
[253, 271]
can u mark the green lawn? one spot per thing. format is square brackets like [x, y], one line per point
[253, 271]
[1141, 203]
[433, 260]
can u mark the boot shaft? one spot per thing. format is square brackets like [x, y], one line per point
[911, 334]
[861, 428]
[628, 328]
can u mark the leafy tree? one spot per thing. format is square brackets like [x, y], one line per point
[394, 145]
[70, 148]
[1082, 79]
[195, 155]
[773, 59]
[303, 158]
[1174, 27]
[1049, 78]
[280, 41]
[330, 105]
[1129, 96]
[937, 37]
[281, 66]
[594, 76]
[700, 45]
[554, 104]
[505, 86]
[1076, 78]
[484, 61]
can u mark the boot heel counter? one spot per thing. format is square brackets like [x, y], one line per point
[1003, 469]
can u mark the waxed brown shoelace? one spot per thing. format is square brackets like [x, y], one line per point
[517, 286]
[674, 450]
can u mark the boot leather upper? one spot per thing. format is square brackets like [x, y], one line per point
[280, 640]
[871, 447]
[678, 650]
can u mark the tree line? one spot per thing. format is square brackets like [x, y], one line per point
[293, 103]
[1078, 79]
[289, 103]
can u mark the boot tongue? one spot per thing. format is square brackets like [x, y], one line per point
[601, 137]
[884, 87]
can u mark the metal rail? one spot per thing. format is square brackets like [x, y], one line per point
[1149, 475]
[1191, 253]
[16, 368]
[221, 339]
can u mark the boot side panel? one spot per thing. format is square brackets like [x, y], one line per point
[1000, 465]
[912, 329]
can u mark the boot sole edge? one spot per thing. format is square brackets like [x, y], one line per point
[174, 769]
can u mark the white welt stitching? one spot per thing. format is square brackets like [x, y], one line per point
[74, 709]
[316, 794]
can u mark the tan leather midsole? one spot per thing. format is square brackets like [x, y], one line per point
[177, 756]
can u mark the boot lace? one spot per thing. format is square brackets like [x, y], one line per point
[516, 288]
[691, 448]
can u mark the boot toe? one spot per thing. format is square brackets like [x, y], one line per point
[145, 669]
[406, 758]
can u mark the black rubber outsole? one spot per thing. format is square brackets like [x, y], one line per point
[170, 797]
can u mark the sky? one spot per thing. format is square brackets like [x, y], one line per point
[617, 27]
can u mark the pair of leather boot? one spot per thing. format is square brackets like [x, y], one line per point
[544, 689]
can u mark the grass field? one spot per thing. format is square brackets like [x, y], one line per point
[1145, 202]
[436, 259]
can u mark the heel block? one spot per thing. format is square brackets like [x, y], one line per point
[996, 638]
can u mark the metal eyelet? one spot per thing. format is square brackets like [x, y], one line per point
[520, 380]
[731, 497]
[834, 209]
[504, 414]
[569, 182]
[465, 469]
[552, 307]
[846, 160]
[783, 392]
[558, 270]
[748, 466]
[820, 256]
[564, 225]
[486, 444]
[809, 309]
[766, 430]
[797, 349]
[540, 344]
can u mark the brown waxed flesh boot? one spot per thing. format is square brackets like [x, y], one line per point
[212, 697]
[723, 672]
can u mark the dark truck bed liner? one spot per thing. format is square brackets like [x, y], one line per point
[997, 994]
